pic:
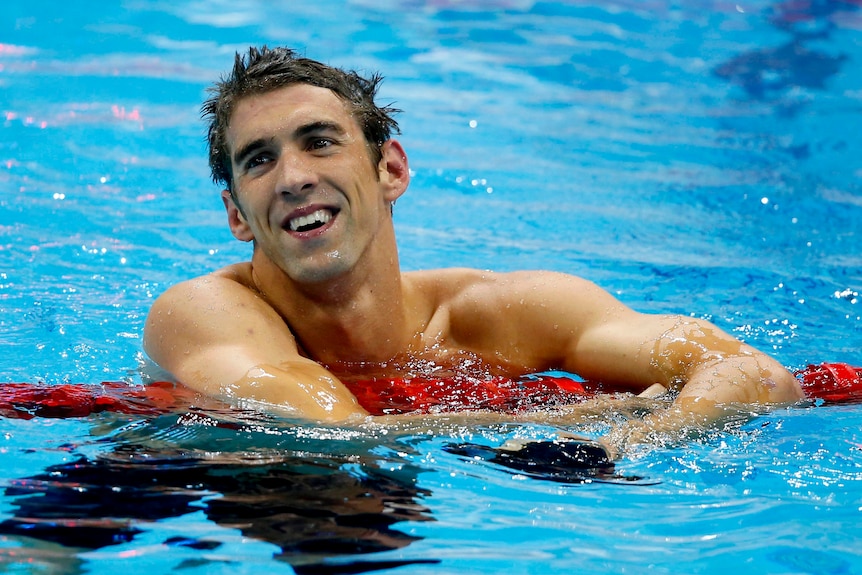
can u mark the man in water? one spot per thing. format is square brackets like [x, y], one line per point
[310, 175]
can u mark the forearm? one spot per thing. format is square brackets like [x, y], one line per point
[714, 392]
[752, 379]
[296, 389]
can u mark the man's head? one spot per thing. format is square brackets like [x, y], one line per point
[266, 69]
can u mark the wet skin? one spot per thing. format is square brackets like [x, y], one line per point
[323, 296]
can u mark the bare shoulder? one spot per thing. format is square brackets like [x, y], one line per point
[211, 330]
[210, 311]
[208, 293]
[473, 287]
[447, 282]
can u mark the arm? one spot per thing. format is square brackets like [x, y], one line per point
[563, 322]
[715, 375]
[216, 336]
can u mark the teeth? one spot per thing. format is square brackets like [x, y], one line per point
[312, 220]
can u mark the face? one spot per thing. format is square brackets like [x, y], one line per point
[305, 187]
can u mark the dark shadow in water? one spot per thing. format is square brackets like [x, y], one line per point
[769, 73]
[810, 19]
[570, 461]
[320, 515]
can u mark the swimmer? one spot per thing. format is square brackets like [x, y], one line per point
[311, 172]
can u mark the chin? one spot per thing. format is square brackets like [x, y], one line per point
[335, 267]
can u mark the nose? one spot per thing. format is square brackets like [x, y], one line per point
[297, 176]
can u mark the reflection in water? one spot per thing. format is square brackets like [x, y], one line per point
[564, 460]
[313, 509]
[769, 72]
[811, 18]
[764, 73]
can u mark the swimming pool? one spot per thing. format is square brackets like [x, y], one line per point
[695, 157]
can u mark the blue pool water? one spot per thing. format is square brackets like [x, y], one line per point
[697, 157]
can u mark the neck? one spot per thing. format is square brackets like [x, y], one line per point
[361, 316]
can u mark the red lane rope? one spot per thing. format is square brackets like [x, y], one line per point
[28, 400]
[382, 396]
[832, 382]
[829, 383]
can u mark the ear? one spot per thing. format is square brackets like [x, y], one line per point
[393, 170]
[235, 218]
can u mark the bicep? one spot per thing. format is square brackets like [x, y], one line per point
[609, 342]
[629, 350]
[547, 321]
[684, 353]
[572, 324]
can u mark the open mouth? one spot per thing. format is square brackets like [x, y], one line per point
[309, 222]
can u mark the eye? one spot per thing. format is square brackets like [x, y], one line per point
[256, 161]
[320, 144]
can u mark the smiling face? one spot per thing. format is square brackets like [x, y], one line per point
[305, 187]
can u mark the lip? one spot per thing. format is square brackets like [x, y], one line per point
[305, 211]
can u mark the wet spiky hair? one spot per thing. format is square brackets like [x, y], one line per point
[265, 69]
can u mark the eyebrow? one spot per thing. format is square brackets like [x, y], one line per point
[320, 126]
[248, 149]
[300, 132]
